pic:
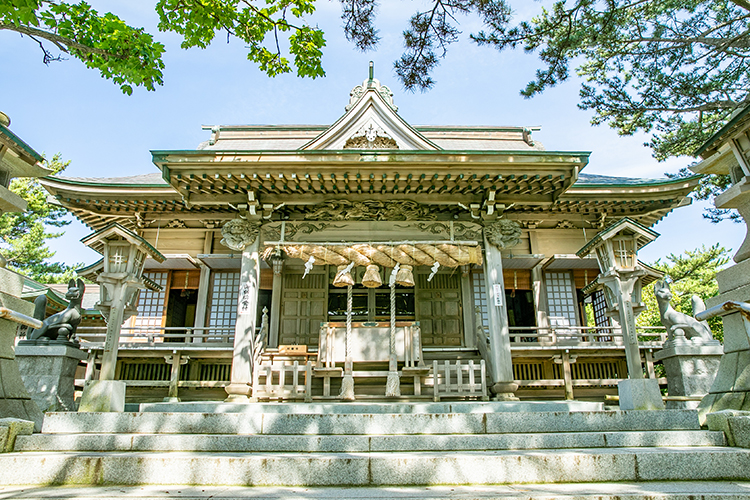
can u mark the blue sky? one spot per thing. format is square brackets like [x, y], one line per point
[66, 108]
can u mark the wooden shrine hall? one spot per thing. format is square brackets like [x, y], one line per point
[368, 259]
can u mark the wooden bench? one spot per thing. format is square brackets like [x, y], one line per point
[370, 344]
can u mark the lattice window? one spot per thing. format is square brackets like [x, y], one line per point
[224, 295]
[561, 299]
[480, 295]
[151, 306]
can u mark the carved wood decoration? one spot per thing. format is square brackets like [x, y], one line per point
[456, 229]
[273, 232]
[239, 233]
[371, 210]
[503, 233]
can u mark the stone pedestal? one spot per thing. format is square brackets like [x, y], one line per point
[731, 386]
[15, 400]
[103, 396]
[48, 372]
[640, 394]
[690, 368]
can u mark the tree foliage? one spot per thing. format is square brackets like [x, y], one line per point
[692, 273]
[677, 68]
[24, 236]
[709, 187]
[673, 68]
[130, 56]
[126, 55]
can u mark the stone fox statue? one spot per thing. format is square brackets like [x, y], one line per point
[674, 320]
[63, 325]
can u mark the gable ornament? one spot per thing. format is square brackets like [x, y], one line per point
[371, 137]
[237, 234]
[503, 233]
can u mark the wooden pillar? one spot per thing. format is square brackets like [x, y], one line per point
[540, 297]
[467, 302]
[244, 333]
[497, 313]
[277, 263]
[537, 284]
[567, 375]
[203, 290]
[176, 360]
[649, 354]
[90, 367]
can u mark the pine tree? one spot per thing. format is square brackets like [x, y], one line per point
[24, 236]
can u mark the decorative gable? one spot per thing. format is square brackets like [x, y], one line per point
[371, 123]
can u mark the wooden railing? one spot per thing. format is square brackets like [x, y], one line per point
[583, 336]
[145, 337]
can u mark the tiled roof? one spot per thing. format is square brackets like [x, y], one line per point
[610, 180]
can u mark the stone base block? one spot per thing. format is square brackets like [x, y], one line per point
[10, 428]
[48, 372]
[103, 396]
[640, 394]
[691, 369]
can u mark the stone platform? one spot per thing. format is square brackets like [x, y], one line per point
[418, 445]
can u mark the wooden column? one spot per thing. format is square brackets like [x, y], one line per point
[497, 313]
[277, 264]
[540, 296]
[467, 302]
[247, 305]
[176, 360]
[203, 289]
[649, 354]
[567, 375]
[537, 284]
[90, 366]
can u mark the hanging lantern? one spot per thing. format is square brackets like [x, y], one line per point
[344, 276]
[404, 277]
[371, 279]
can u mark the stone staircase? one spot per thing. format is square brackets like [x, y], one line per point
[402, 444]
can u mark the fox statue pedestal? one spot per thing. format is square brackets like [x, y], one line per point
[690, 369]
[48, 372]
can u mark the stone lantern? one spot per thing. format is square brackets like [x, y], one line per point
[616, 249]
[120, 276]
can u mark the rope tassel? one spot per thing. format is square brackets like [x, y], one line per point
[372, 279]
[344, 276]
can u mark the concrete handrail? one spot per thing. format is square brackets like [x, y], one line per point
[19, 318]
[727, 307]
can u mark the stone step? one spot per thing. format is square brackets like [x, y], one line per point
[358, 444]
[372, 407]
[375, 468]
[368, 424]
[661, 490]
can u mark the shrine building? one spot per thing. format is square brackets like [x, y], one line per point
[370, 260]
